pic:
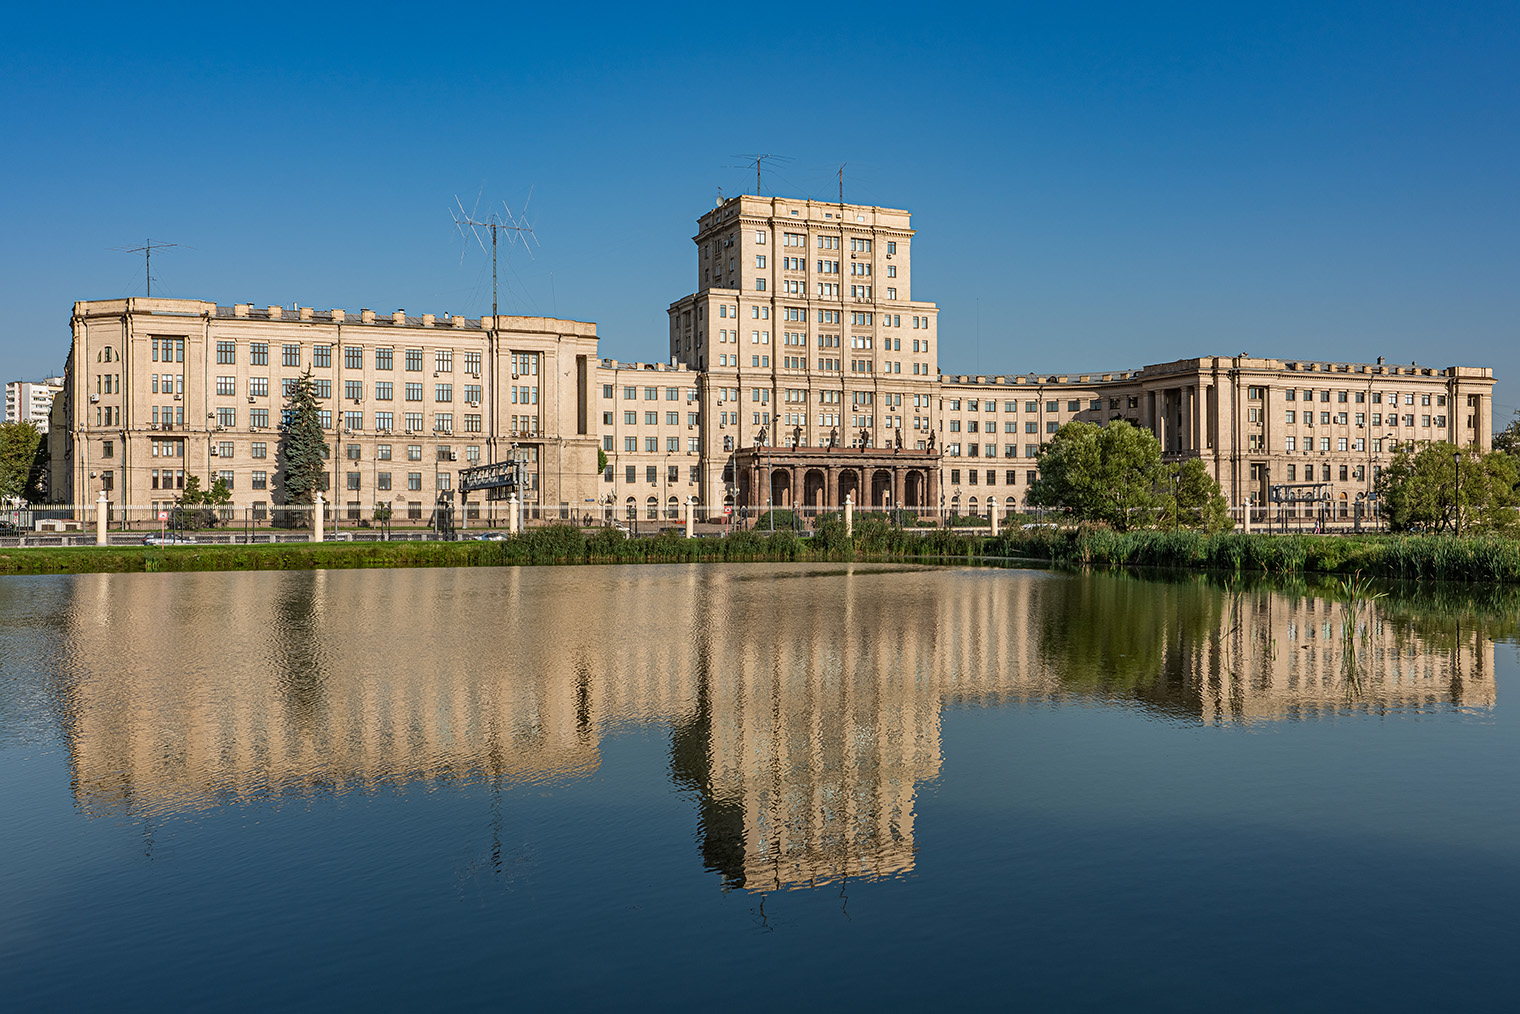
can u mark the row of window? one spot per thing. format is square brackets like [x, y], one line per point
[1010, 477]
[650, 393]
[1340, 418]
[652, 474]
[954, 450]
[631, 418]
[652, 444]
[173, 350]
[1359, 397]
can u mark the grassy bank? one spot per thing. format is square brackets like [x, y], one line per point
[562, 544]
[1417, 557]
[1482, 559]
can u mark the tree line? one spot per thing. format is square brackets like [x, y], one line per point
[1113, 475]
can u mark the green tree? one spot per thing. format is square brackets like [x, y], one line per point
[1421, 491]
[19, 443]
[601, 460]
[303, 447]
[1101, 473]
[1507, 440]
[1192, 498]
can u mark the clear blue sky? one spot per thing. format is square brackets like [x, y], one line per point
[1096, 185]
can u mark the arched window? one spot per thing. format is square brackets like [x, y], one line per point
[673, 508]
[652, 508]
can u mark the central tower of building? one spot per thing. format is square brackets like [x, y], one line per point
[804, 329]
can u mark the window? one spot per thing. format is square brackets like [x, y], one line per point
[353, 390]
[414, 480]
[226, 417]
[443, 392]
[413, 452]
[258, 418]
[258, 353]
[1052, 426]
[413, 392]
[384, 390]
[353, 480]
[385, 421]
[321, 356]
[259, 479]
[443, 361]
[383, 452]
[258, 449]
[322, 387]
[353, 358]
[224, 353]
[223, 449]
[226, 385]
[291, 355]
[414, 360]
[383, 481]
[385, 359]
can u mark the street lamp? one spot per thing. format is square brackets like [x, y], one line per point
[1176, 492]
[1456, 462]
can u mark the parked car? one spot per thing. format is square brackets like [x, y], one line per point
[489, 537]
[167, 540]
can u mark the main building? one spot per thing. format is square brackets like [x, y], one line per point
[800, 371]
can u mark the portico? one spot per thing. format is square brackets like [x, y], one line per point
[819, 478]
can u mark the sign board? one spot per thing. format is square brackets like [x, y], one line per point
[728, 510]
[163, 515]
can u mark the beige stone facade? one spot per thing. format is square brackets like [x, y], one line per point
[160, 389]
[1254, 422]
[802, 337]
[803, 325]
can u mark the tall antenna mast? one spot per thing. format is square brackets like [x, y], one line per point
[147, 251]
[841, 181]
[495, 224]
[757, 162]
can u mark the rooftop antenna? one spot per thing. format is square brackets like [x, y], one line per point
[758, 162]
[512, 225]
[841, 181]
[147, 251]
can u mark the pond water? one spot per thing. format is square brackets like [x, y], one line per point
[752, 785]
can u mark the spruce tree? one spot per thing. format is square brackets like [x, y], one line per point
[302, 447]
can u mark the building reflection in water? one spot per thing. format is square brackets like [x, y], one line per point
[804, 703]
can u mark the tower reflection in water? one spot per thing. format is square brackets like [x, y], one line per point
[804, 703]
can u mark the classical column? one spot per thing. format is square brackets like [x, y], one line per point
[1189, 433]
[899, 485]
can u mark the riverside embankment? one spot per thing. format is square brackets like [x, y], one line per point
[1485, 558]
